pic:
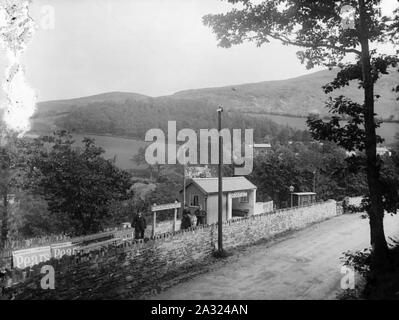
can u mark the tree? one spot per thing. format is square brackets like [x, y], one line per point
[77, 182]
[11, 164]
[394, 31]
[305, 166]
[139, 159]
[165, 192]
[31, 218]
[395, 160]
[316, 26]
[274, 174]
[396, 143]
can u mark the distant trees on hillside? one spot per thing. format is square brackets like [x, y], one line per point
[134, 118]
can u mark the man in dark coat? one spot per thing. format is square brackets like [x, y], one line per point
[186, 219]
[139, 225]
[201, 215]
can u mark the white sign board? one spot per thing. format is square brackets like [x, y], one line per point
[29, 257]
[238, 194]
[59, 250]
[126, 225]
[166, 206]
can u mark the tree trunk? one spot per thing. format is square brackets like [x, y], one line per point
[150, 168]
[158, 171]
[376, 209]
[4, 220]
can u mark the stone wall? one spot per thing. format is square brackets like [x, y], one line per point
[267, 225]
[165, 226]
[120, 271]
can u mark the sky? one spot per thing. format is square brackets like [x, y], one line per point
[152, 47]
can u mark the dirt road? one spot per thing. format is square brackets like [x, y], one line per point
[303, 265]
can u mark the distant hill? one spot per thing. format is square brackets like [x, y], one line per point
[297, 96]
[48, 112]
[61, 106]
[131, 114]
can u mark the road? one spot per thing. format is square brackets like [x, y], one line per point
[301, 266]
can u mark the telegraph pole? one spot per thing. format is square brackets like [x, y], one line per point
[184, 185]
[182, 161]
[220, 184]
[291, 191]
[314, 181]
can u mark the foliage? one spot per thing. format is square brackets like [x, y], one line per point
[316, 27]
[11, 164]
[124, 210]
[30, 218]
[139, 159]
[394, 29]
[352, 135]
[77, 183]
[305, 166]
[387, 286]
[359, 261]
[165, 192]
[134, 119]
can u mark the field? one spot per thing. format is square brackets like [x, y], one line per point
[124, 149]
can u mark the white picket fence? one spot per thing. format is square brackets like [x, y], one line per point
[263, 207]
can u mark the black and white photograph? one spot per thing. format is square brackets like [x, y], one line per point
[199, 155]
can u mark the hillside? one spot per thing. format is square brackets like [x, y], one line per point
[297, 96]
[132, 119]
[131, 114]
[49, 111]
[60, 106]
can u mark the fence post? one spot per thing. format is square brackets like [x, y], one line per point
[154, 221]
[175, 220]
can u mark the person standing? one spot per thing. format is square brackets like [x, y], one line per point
[186, 219]
[201, 215]
[139, 225]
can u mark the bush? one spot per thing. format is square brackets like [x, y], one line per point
[383, 285]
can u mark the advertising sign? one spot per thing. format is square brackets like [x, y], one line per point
[166, 206]
[238, 194]
[59, 250]
[29, 257]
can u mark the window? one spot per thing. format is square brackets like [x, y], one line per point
[195, 200]
[244, 199]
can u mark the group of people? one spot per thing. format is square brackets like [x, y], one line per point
[188, 221]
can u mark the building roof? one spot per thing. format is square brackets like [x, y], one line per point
[230, 184]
